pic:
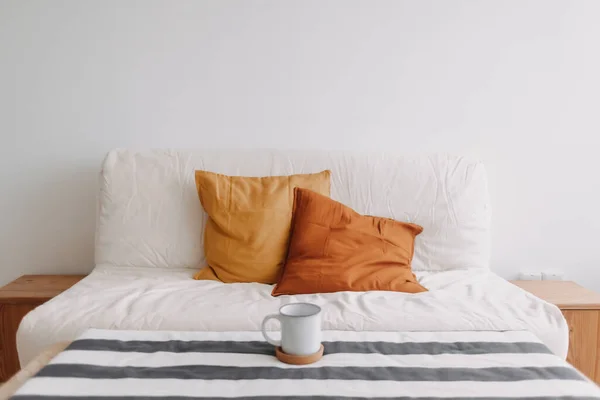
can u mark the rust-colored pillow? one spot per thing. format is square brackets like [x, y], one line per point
[248, 228]
[334, 249]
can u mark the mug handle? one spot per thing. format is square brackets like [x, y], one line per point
[274, 342]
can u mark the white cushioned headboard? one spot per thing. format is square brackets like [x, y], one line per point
[150, 216]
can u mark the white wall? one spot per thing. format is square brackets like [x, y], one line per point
[516, 83]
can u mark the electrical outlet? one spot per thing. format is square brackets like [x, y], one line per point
[553, 275]
[530, 276]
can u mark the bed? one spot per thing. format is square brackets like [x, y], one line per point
[149, 243]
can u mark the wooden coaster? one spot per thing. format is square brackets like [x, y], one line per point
[298, 360]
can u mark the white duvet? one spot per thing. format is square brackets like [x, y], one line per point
[156, 299]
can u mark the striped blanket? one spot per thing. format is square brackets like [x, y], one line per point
[104, 364]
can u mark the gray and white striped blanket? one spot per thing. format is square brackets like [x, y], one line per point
[104, 364]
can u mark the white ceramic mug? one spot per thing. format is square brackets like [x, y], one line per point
[300, 328]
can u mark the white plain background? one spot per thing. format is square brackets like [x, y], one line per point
[514, 83]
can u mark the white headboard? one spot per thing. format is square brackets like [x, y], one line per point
[150, 216]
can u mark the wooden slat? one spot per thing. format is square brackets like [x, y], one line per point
[10, 317]
[583, 341]
[596, 377]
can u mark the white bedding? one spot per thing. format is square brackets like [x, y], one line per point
[160, 299]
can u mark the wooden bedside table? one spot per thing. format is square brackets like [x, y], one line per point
[581, 308]
[17, 299]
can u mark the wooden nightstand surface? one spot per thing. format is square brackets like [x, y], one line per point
[566, 295]
[17, 299]
[36, 288]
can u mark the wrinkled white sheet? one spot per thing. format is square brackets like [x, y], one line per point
[157, 299]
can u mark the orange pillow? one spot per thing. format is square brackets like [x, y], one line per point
[335, 249]
[248, 228]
